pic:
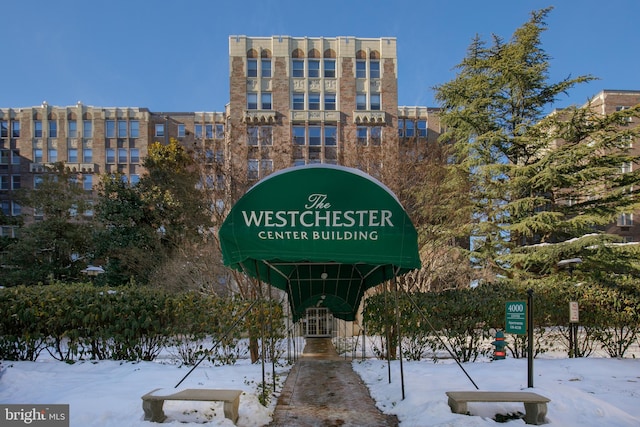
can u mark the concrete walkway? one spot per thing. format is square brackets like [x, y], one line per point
[323, 390]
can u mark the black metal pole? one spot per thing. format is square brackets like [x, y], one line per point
[399, 334]
[530, 337]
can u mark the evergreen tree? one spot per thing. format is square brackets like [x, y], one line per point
[127, 240]
[56, 243]
[527, 167]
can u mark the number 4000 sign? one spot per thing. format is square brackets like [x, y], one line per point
[516, 317]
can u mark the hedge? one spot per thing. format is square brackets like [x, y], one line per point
[81, 321]
[462, 319]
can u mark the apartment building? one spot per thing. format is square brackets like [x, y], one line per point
[296, 101]
[605, 102]
[292, 101]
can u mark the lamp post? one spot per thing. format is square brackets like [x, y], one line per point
[573, 308]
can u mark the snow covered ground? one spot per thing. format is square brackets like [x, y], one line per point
[589, 392]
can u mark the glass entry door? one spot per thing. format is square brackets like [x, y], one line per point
[319, 322]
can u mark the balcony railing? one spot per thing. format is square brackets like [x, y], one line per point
[315, 116]
[72, 167]
[368, 117]
[258, 117]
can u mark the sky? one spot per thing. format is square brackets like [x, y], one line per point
[584, 392]
[172, 55]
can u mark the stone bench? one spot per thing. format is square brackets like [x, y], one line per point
[535, 405]
[153, 401]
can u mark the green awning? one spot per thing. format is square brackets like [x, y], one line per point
[322, 233]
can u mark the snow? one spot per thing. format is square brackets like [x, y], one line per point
[585, 392]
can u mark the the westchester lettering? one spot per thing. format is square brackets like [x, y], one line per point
[281, 225]
[317, 214]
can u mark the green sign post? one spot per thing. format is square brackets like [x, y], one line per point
[516, 317]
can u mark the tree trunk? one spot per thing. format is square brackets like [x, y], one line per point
[254, 350]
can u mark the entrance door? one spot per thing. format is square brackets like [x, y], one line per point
[319, 322]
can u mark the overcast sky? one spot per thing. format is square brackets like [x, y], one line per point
[172, 55]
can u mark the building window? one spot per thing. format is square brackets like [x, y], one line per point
[181, 130]
[625, 220]
[219, 131]
[253, 169]
[4, 157]
[622, 108]
[87, 182]
[134, 155]
[266, 135]
[252, 136]
[4, 182]
[53, 129]
[361, 102]
[110, 129]
[52, 155]
[410, 129]
[375, 135]
[361, 69]
[15, 182]
[374, 69]
[361, 135]
[134, 179]
[87, 155]
[266, 167]
[72, 155]
[159, 129]
[298, 101]
[252, 68]
[266, 101]
[111, 155]
[8, 231]
[330, 135]
[298, 68]
[259, 135]
[259, 168]
[15, 129]
[329, 68]
[122, 129]
[15, 157]
[208, 156]
[314, 101]
[208, 131]
[375, 102]
[422, 128]
[220, 157]
[4, 129]
[87, 129]
[314, 67]
[315, 135]
[16, 209]
[252, 101]
[299, 135]
[330, 101]
[122, 155]
[266, 68]
[37, 129]
[134, 129]
[73, 129]
[6, 207]
[37, 181]
[198, 131]
[37, 155]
